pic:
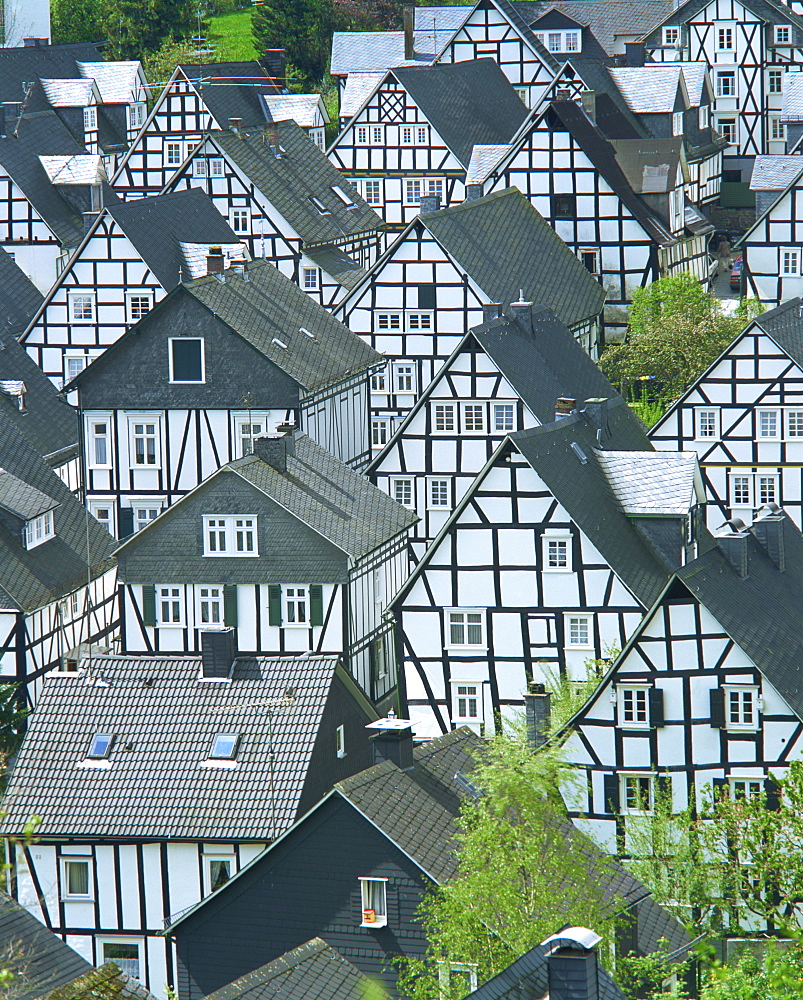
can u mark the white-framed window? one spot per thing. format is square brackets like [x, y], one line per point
[340, 741]
[726, 83]
[589, 257]
[216, 166]
[751, 489]
[746, 788]
[503, 419]
[379, 431]
[419, 321]
[741, 490]
[439, 493]
[99, 445]
[473, 418]
[218, 869]
[144, 513]
[361, 135]
[103, 511]
[579, 631]
[388, 321]
[677, 123]
[137, 305]
[296, 606]
[401, 489]
[741, 707]
[81, 307]
[671, 35]
[136, 115]
[783, 34]
[170, 606]
[90, 118]
[790, 261]
[444, 418]
[406, 133]
[633, 704]
[560, 41]
[231, 535]
[76, 879]
[457, 978]
[766, 489]
[557, 553]
[187, 360]
[637, 794]
[777, 129]
[173, 153]
[403, 377]
[727, 129]
[703, 116]
[374, 902]
[200, 167]
[422, 135]
[241, 220]
[379, 380]
[794, 423]
[247, 428]
[465, 628]
[210, 605]
[768, 424]
[74, 364]
[310, 278]
[706, 422]
[467, 701]
[412, 191]
[143, 433]
[775, 81]
[378, 135]
[434, 186]
[372, 192]
[126, 953]
[39, 530]
[725, 38]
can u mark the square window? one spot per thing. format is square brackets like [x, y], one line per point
[296, 607]
[783, 34]
[241, 220]
[173, 154]
[741, 708]
[74, 366]
[578, 631]
[443, 418]
[102, 512]
[402, 491]
[557, 554]
[200, 167]
[379, 432]
[419, 321]
[790, 261]
[169, 606]
[706, 422]
[138, 306]
[671, 35]
[374, 902]
[465, 628]
[637, 794]
[473, 418]
[466, 701]
[100, 746]
[504, 418]
[75, 879]
[438, 494]
[247, 428]
[564, 206]
[310, 278]
[124, 954]
[144, 515]
[768, 423]
[82, 307]
[794, 423]
[224, 746]
[633, 705]
[210, 606]
[187, 361]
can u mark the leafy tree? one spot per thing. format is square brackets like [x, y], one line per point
[78, 20]
[521, 874]
[677, 329]
[136, 27]
[303, 28]
[777, 976]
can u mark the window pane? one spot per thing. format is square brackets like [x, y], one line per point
[186, 360]
[219, 873]
[77, 878]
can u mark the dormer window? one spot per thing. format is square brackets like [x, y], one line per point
[90, 118]
[560, 41]
[39, 529]
[100, 746]
[671, 35]
[231, 536]
[225, 746]
[136, 116]
[783, 34]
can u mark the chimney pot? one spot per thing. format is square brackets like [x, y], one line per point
[218, 652]
[564, 407]
[215, 261]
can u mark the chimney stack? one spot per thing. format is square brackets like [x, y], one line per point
[537, 708]
[408, 21]
[564, 407]
[635, 53]
[473, 192]
[429, 203]
[767, 529]
[218, 653]
[275, 450]
[523, 311]
[588, 98]
[491, 311]
[734, 546]
[572, 967]
[275, 66]
[596, 410]
[393, 740]
[215, 261]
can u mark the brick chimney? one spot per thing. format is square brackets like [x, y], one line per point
[392, 740]
[215, 261]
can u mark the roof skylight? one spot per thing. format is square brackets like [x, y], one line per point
[224, 746]
[100, 746]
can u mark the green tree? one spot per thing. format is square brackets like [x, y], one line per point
[677, 329]
[137, 27]
[778, 975]
[78, 20]
[521, 874]
[303, 28]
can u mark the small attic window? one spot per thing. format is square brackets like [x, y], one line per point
[39, 529]
[319, 205]
[306, 332]
[347, 201]
[225, 746]
[100, 746]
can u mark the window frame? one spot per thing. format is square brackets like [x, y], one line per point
[145, 420]
[340, 742]
[214, 601]
[151, 504]
[476, 406]
[91, 118]
[734, 780]
[310, 278]
[171, 361]
[777, 129]
[295, 601]
[100, 754]
[495, 407]
[214, 858]
[448, 414]
[775, 79]
[794, 253]
[465, 647]
[782, 34]
[477, 697]
[220, 753]
[789, 411]
[430, 485]
[556, 536]
[725, 34]
[380, 431]
[627, 810]
[72, 298]
[92, 438]
[775, 413]
[137, 942]
[677, 123]
[236, 212]
[394, 321]
[179, 599]
[397, 368]
[670, 35]
[740, 726]
[730, 135]
[724, 76]
[65, 863]
[242, 420]
[137, 114]
[33, 537]
[699, 413]
[396, 481]
[130, 298]
[410, 198]
[703, 117]
[588, 620]
[230, 530]
[173, 144]
[636, 689]
[95, 506]
[379, 919]
[372, 192]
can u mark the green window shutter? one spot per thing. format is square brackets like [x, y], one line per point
[149, 604]
[230, 604]
[316, 604]
[274, 604]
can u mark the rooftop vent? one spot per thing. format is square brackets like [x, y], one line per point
[393, 740]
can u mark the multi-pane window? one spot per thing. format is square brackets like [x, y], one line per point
[503, 418]
[99, 444]
[794, 423]
[379, 432]
[388, 321]
[790, 261]
[39, 529]
[136, 115]
[783, 34]
[216, 166]
[199, 167]
[310, 278]
[578, 630]
[438, 493]
[422, 135]
[741, 491]
[372, 192]
[82, 307]
[247, 433]
[725, 38]
[144, 450]
[768, 423]
[633, 707]
[434, 186]
[671, 35]
[173, 153]
[677, 123]
[296, 609]
[241, 220]
[90, 117]
[210, 605]
[419, 321]
[465, 627]
[703, 117]
[727, 129]
[726, 83]
[144, 515]
[775, 81]
[403, 377]
[230, 536]
[407, 135]
[73, 366]
[749, 488]
[741, 709]
[767, 490]
[473, 418]
[466, 702]
[361, 135]
[379, 381]
[638, 793]
[138, 306]
[443, 418]
[706, 422]
[777, 129]
[169, 606]
[556, 553]
[378, 135]
[746, 788]
[402, 491]
[75, 879]
[412, 192]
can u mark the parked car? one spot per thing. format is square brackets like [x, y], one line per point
[736, 274]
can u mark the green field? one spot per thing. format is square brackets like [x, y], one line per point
[230, 36]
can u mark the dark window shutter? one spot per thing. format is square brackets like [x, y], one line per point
[772, 792]
[426, 296]
[230, 604]
[656, 707]
[149, 604]
[274, 604]
[126, 522]
[719, 786]
[610, 792]
[717, 708]
[316, 604]
[186, 360]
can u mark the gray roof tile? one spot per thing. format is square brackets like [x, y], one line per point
[232, 89]
[652, 483]
[773, 173]
[22, 500]
[650, 89]
[606, 18]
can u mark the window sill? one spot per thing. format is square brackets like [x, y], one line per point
[78, 899]
[466, 649]
[635, 727]
[374, 924]
[225, 765]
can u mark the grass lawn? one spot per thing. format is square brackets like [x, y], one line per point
[230, 35]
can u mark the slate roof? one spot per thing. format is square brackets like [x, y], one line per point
[164, 721]
[792, 101]
[337, 264]
[650, 89]
[358, 88]
[483, 160]
[653, 483]
[231, 89]
[447, 94]
[303, 109]
[613, 115]
[19, 298]
[314, 969]
[77, 169]
[694, 73]
[770, 13]
[773, 173]
[22, 500]
[70, 93]
[650, 165]
[29, 579]
[118, 81]
[273, 315]
[302, 172]
[505, 246]
[23, 64]
[157, 226]
[607, 18]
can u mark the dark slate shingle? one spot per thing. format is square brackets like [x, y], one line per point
[231, 89]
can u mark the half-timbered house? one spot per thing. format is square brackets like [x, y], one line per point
[750, 47]
[744, 419]
[287, 203]
[378, 842]
[580, 182]
[306, 110]
[415, 132]
[215, 365]
[705, 695]
[770, 177]
[566, 537]
[195, 100]
[504, 376]
[772, 248]
[417, 302]
[288, 545]
[57, 578]
[139, 754]
[132, 255]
